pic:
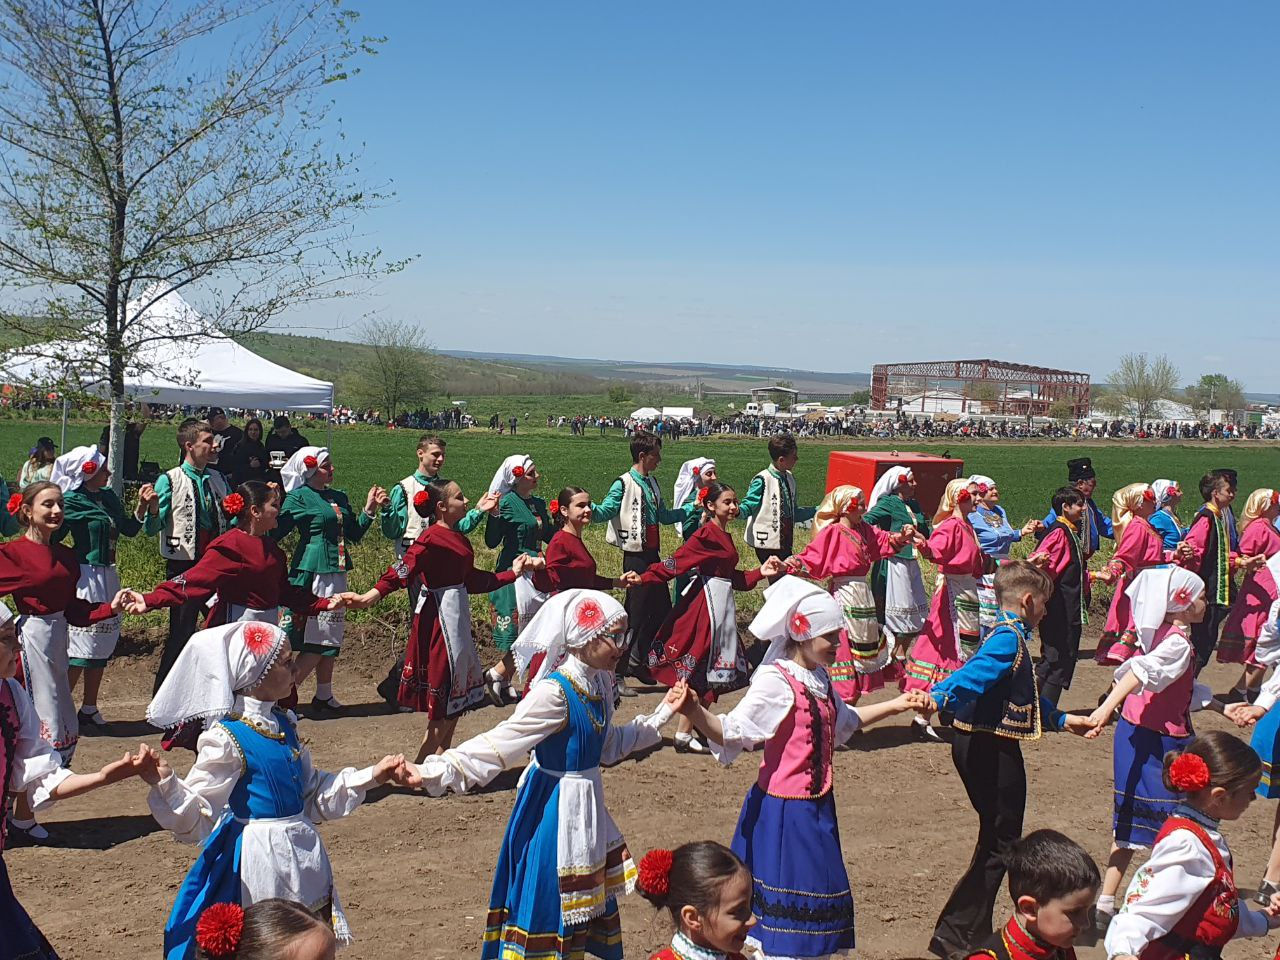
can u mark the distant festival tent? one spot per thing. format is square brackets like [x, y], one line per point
[646, 413]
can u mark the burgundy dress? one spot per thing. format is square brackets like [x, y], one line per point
[570, 565]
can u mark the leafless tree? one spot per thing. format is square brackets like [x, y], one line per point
[397, 373]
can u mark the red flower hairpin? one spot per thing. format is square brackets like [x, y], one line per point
[232, 504]
[702, 495]
[1149, 495]
[219, 929]
[420, 498]
[1182, 597]
[517, 471]
[89, 468]
[554, 507]
[15, 504]
[1189, 773]
[697, 471]
[259, 638]
[1275, 497]
[982, 489]
[310, 462]
[799, 624]
[654, 872]
[963, 495]
[589, 615]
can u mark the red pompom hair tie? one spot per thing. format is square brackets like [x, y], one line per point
[219, 929]
[1275, 497]
[15, 504]
[420, 498]
[1189, 773]
[654, 872]
[88, 468]
[232, 504]
[310, 462]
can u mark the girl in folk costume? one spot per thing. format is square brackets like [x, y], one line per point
[1258, 536]
[93, 516]
[843, 551]
[41, 576]
[951, 634]
[1158, 692]
[521, 526]
[693, 478]
[1138, 546]
[698, 642]
[896, 580]
[1183, 901]
[1165, 520]
[569, 564]
[270, 929]
[30, 766]
[244, 571]
[787, 832]
[563, 862]
[326, 524]
[252, 797]
[996, 538]
[707, 890]
[442, 675]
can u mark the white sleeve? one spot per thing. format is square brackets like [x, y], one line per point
[36, 765]
[480, 759]
[1163, 889]
[757, 716]
[847, 720]
[1267, 653]
[330, 796]
[191, 807]
[1162, 666]
[638, 734]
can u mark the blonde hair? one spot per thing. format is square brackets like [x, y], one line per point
[1123, 502]
[948, 504]
[1255, 507]
[836, 504]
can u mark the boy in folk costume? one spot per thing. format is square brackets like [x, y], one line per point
[402, 524]
[1094, 524]
[632, 510]
[896, 582]
[1214, 546]
[188, 518]
[770, 504]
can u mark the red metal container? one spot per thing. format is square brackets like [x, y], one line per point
[862, 468]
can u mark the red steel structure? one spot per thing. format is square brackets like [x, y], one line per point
[1035, 389]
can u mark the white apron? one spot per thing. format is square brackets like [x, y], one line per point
[283, 857]
[44, 665]
[466, 676]
[725, 663]
[906, 605]
[326, 628]
[529, 600]
[93, 645]
[868, 645]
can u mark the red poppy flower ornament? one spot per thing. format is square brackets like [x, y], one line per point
[1189, 773]
[554, 507]
[310, 462]
[232, 504]
[89, 468]
[420, 498]
[589, 616]
[15, 504]
[799, 624]
[259, 639]
[219, 929]
[654, 872]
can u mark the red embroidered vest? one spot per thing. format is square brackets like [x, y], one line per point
[1212, 919]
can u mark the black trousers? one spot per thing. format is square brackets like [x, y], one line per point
[993, 775]
[1204, 635]
[1059, 650]
[647, 606]
[184, 620]
[391, 683]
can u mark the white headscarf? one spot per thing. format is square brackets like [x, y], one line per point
[889, 482]
[213, 665]
[506, 476]
[568, 621]
[69, 470]
[1156, 592]
[296, 472]
[794, 609]
[1162, 489]
[687, 479]
[982, 480]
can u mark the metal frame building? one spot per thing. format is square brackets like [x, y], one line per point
[1021, 390]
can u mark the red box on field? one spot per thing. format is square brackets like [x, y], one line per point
[862, 468]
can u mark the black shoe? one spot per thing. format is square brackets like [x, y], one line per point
[390, 693]
[1234, 695]
[323, 709]
[642, 676]
[93, 720]
[925, 733]
[690, 745]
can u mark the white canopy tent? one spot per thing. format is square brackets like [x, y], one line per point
[206, 369]
[646, 413]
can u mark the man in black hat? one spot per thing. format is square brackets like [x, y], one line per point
[227, 433]
[281, 444]
[1081, 476]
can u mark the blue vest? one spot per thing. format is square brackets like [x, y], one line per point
[1011, 708]
[577, 745]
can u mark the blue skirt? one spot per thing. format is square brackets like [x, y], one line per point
[524, 908]
[1266, 736]
[802, 894]
[20, 939]
[213, 878]
[1142, 803]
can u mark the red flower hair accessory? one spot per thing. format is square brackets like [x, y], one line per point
[908, 477]
[702, 494]
[654, 872]
[554, 507]
[589, 616]
[420, 498]
[219, 929]
[1149, 495]
[517, 471]
[258, 638]
[799, 624]
[697, 471]
[15, 504]
[1182, 597]
[232, 504]
[88, 468]
[1275, 497]
[310, 462]
[1189, 773]
[963, 495]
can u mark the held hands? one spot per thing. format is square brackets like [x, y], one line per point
[1041, 560]
[1030, 527]
[1080, 726]
[358, 601]
[1251, 564]
[681, 699]
[488, 503]
[916, 700]
[908, 532]
[1184, 552]
[1272, 910]
[772, 567]
[130, 601]
[1243, 714]
[152, 767]
[396, 769]
[147, 497]
[628, 580]
[377, 499]
[130, 765]
[524, 563]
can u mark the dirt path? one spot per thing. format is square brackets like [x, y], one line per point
[415, 873]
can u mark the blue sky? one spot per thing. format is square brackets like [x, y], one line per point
[829, 185]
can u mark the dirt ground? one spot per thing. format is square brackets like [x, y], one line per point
[414, 872]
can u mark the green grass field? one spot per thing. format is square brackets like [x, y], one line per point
[1027, 474]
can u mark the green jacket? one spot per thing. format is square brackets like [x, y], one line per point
[892, 513]
[94, 520]
[655, 512]
[520, 526]
[395, 515]
[155, 522]
[312, 513]
[749, 505]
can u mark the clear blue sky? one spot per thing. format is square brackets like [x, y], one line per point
[830, 185]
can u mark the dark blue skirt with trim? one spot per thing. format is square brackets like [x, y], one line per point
[1141, 803]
